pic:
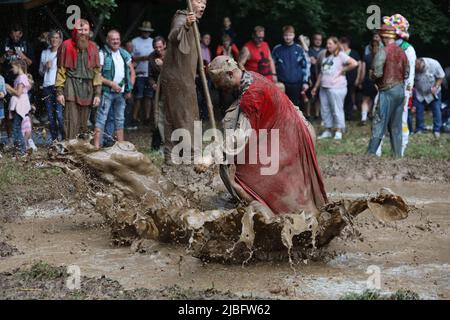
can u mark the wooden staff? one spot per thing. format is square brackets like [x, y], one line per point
[202, 70]
[156, 103]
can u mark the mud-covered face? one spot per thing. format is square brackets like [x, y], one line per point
[224, 81]
[289, 37]
[199, 7]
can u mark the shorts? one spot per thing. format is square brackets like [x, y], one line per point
[142, 88]
[115, 102]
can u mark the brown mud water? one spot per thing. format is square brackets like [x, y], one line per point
[141, 202]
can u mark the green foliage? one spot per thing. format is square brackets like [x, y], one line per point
[356, 140]
[18, 173]
[42, 271]
[429, 19]
[103, 7]
[401, 294]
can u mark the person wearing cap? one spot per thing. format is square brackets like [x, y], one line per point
[178, 77]
[143, 92]
[401, 26]
[390, 69]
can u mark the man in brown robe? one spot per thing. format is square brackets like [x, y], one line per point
[78, 80]
[178, 76]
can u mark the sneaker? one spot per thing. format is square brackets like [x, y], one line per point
[338, 135]
[32, 145]
[325, 135]
[133, 125]
[437, 135]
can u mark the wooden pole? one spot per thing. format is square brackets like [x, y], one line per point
[202, 71]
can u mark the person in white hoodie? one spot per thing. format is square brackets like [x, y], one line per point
[401, 26]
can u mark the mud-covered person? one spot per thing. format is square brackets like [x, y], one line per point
[78, 80]
[296, 184]
[178, 77]
[156, 61]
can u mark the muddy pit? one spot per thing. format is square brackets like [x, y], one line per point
[108, 233]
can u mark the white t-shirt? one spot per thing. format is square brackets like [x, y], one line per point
[142, 47]
[119, 66]
[50, 74]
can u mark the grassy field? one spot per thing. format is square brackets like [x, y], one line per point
[13, 172]
[356, 140]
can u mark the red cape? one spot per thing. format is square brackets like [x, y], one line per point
[298, 183]
[68, 53]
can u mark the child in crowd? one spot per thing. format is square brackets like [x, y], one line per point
[20, 107]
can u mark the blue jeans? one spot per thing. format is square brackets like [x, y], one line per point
[111, 112]
[388, 116]
[410, 122]
[435, 106]
[107, 137]
[2, 110]
[18, 139]
[54, 109]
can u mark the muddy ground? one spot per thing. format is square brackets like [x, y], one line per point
[410, 254]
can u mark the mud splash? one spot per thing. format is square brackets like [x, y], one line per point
[141, 203]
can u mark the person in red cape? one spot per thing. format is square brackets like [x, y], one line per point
[297, 184]
[78, 80]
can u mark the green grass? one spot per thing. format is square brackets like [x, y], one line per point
[18, 173]
[356, 140]
[42, 271]
[401, 294]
